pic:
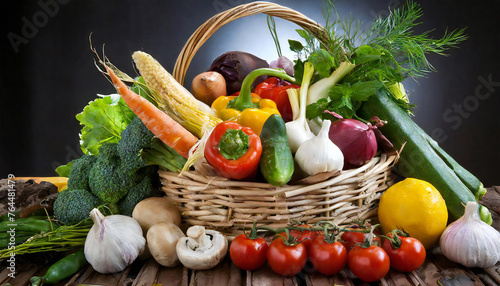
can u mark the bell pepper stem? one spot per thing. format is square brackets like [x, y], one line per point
[244, 100]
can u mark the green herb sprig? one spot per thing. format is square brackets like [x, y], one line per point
[385, 54]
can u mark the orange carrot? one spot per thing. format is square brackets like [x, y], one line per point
[163, 126]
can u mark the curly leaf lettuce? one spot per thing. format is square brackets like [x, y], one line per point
[103, 121]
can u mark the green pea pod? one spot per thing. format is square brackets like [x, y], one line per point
[27, 224]
[62, 269]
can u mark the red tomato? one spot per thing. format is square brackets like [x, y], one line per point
[247, 253]
[368, 264]
[284, 259]
[351, 238]
[408, 257]
[327, 258]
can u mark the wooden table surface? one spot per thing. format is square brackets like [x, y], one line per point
[437, 270]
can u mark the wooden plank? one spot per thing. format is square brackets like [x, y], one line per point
[318, 279]
[264, 277]
[24, 273]
[4, 276]
[429, 273]
[174, 276]
[453, 270]
[342, 278]
[87, 272]
[223, 274]
[396, 278]
[73, 279]
[90, 276]
[413, 276]
[147, 274]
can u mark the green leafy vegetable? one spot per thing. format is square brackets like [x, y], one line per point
[64, 170]
[323, 62]
[103, 121]
[384, 54]
[395, 34]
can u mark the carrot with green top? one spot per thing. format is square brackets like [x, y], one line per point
[162, 125]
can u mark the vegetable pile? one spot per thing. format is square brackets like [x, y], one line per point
[336, 106]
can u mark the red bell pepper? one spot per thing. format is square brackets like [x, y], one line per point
[275, 89]
[233, 151]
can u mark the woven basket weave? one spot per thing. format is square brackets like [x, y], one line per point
[232, 206]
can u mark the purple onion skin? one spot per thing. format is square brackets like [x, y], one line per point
[283, 63]
[235, 66]
[355, 139]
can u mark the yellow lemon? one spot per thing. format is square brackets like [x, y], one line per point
[415, 206]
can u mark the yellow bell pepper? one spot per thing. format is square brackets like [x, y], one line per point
[250, 117]
[249, 109]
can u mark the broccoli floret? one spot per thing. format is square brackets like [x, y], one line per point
[133, 139]
[79, 176]
[147, 187]
[73, 206]
[107, 179]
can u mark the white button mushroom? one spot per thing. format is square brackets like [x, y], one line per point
[201, 249]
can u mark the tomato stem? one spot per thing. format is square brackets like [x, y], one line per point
[253, 231]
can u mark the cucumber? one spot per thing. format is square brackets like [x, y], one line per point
[62, 269]
[276, 161]
[418, 158]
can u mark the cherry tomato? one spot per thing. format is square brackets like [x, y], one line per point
[248, 253]
[408, 257]
[327, 258]
[368, 264]
[287, 260]
[351, 238]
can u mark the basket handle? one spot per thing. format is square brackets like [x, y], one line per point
[203, 33]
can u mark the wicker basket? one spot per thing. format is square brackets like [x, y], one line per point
[231, 206]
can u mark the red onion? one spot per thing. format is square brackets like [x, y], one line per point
[356, 140]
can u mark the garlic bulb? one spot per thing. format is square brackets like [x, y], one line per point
[320, 154]
[113, 242]
[470, 241]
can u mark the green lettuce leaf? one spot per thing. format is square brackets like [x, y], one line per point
[103, 121]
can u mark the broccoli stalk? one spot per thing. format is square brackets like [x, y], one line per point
[163, 156]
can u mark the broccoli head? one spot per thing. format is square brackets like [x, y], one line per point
[79, 176]
[133, 139]
[73, 206]
[147, 187]
[108, 180]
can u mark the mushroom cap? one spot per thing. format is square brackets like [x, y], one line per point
[202, 249]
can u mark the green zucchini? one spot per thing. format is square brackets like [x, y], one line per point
[469, 180]
[418, 158]
[276, 162]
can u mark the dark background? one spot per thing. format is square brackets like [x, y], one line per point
[50, 76]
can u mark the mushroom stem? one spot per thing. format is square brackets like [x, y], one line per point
[197, 238]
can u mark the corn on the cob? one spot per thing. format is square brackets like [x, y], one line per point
[173, 98]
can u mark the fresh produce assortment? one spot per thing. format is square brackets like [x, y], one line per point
[334, 107]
